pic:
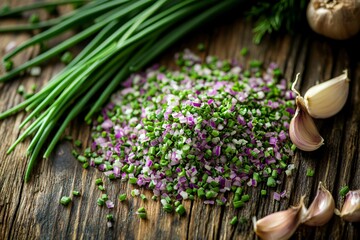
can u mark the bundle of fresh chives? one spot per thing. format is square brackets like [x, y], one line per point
[127, 35]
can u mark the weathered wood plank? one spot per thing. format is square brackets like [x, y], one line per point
[29, 211]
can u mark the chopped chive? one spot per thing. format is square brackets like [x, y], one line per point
[8, 65]
[104, 197]
[271, 182]
[21, 89]
[65, 200]
[201, 47]
[98, 181]
[143, 197]
[76, 193]
[85, 165]
[133, 180]
[122, 197]
[245, 198]
[100, 202]
[67, 57]
[344, 190]
[110, 217]
[78, 143]
[234, 220]
[141, 212]
[34, 18]
[101, 187]
[238, 204]
[310, 172]
[244, 51]
[168, 208]
[263, 192]
[82, 159]
[180, 210]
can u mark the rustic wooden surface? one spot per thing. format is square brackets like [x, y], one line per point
[32, 211]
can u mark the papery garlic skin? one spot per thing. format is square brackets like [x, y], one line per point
[280, 225]
[336, 19]
[321, 209]
[328, 98]
[351, 210]
[302, 130]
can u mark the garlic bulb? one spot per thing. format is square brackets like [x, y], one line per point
[321, 209]
[328, 98]
[336, 19]
[280, 225]
[303, 132]
[351, 210]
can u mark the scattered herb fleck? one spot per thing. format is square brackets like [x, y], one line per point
[344, 190]
[65, 200]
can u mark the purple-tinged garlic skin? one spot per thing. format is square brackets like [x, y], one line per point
[303, 132]
[351, 210]
[321, 209]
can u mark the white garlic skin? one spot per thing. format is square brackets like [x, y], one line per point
[336, 19]
[326, 99]
[351, 209]
[321, 209]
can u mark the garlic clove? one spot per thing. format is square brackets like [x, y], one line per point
[351, 210]
[321, 209]
[328, 98]
[280, 225]
[303, 132]
[334, 19]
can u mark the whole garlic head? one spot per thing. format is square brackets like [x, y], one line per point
[336, 19]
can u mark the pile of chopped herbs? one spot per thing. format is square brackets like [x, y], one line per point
[204, 130]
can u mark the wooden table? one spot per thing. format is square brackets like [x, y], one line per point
[32, 211]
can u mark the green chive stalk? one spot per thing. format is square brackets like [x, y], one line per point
[126, 36]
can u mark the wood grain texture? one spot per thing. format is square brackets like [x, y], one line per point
[32, 211]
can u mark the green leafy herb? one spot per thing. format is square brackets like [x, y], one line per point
[276, 15]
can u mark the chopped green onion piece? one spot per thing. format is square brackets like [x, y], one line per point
[263, 192]
[100, 202]
[65, 200]
[104, 197]
[34, 18]
[21, 89]
[122, 197]
[142, 213]
[133, 180]
[143, 197]
[310, 172]
[245, 198]
[76, 193]
[67, 57]
[234, 220]
[101, 188]
[344, 190]
[168, 208]
[82, 159]
[78, 143]
[86, 165]
[271, 182]
[238, 204]
[8, 65]
[201, 47]
[244, 51]
[109, 217]
[98, 181]
[180, 210]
